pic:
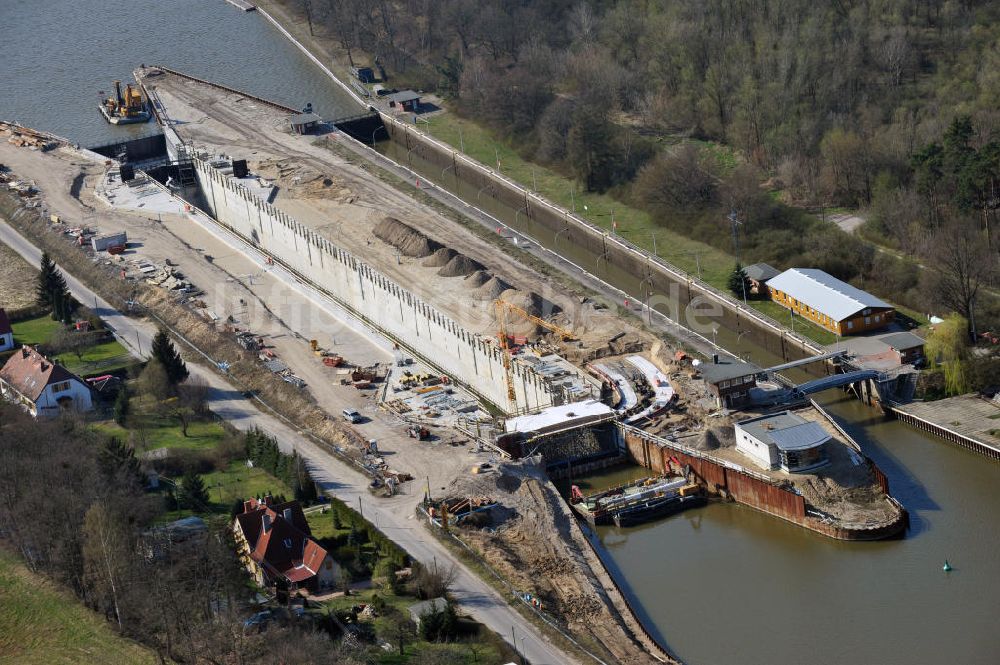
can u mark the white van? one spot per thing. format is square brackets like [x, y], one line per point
[352, 416]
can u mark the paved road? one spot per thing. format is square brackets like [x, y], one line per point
[395, 517]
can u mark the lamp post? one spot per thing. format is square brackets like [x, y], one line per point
[523, 209]
[481, 190]
[382, 127]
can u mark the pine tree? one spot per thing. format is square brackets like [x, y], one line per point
[50, 281]
[739, 283]
[122, 406]
[193, 494]
[163, 350]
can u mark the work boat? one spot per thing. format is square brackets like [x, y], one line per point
[639, 501]
[124, 107]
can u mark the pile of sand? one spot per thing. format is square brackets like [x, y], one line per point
[405, 238]
[531, 302]
[493, 289]
[440, 258]
[477, 279]
[460, 265]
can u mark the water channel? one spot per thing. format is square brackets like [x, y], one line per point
[719, 585]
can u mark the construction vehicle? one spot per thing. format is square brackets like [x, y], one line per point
[502, 307]
[124, 107]
[418, 432]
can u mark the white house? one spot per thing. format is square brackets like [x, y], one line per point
[6, 332]
[782, 440]
[42, 386]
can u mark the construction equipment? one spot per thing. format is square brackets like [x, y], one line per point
[125, 107]
[502, 307]
[418, 432]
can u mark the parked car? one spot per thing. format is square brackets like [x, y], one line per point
[352, 416]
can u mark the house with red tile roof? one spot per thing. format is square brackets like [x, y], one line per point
[42, 386]
[276, 546]
[6, 332]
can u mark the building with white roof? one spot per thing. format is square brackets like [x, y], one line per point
[783, 440]
[829, 302]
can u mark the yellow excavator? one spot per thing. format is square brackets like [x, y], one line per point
[125, 106]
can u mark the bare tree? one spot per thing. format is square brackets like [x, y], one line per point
[965, 263]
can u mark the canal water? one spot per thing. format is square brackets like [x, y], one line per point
[719, 585]
[58, 55]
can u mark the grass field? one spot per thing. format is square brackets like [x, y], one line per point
[98, 359]
[35, 331]
[633, 224]
[17, 280]
[41, 624]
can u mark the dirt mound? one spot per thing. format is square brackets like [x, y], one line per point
[459, 266]
[494, 288]
[715, 438]
[477, 279]
[532, 303]
[405, 238]
[440, 258]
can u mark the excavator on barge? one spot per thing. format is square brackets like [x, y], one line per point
[125, 106]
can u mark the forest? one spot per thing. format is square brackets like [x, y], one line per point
[779, 110]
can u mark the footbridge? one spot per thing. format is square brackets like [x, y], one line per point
[834, 381]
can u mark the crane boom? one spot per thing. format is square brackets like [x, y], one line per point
[566, 335]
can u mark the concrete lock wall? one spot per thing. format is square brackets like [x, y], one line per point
[664, 278]
[403, 317]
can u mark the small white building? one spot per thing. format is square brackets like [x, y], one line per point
[783, 440]
[6, 332]
[42, 386]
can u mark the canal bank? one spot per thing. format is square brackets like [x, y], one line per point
[783, 594]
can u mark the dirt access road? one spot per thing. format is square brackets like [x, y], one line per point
[394, 516]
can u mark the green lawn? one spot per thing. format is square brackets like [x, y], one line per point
[98, 359]
[154, 431]
[633, 224]
[236, 482]
[41, 624]
[35, 331]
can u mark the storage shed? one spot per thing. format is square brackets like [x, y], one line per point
[406, 100]
[304, 123]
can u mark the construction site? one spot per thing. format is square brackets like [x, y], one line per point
[460, 375]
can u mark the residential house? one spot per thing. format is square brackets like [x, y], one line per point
[829, 302]
[276, 546]
[783, 440]
[758, 274]
[883, 352]
[6, 332]
[42, 386]
[729, 380]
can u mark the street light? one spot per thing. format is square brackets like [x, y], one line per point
[382, 127]
[481, 190]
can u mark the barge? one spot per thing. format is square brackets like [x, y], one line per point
[125, 107]
[637, 502]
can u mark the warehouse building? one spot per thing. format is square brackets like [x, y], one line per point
[829, 302]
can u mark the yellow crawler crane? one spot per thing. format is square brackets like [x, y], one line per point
[502, 307]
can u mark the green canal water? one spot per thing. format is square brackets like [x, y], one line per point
[718, 585]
